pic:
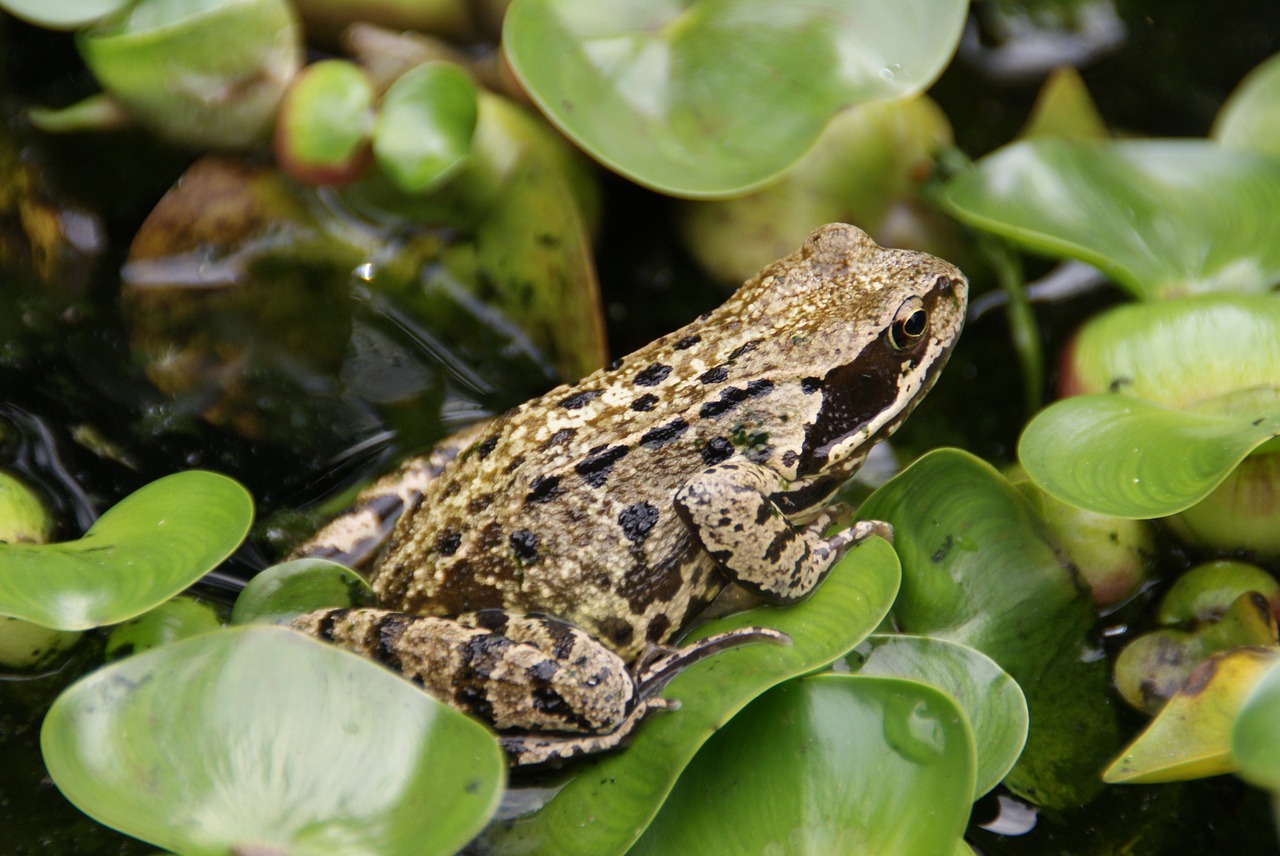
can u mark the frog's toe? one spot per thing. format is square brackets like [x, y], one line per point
[533, 749]
[657, 674]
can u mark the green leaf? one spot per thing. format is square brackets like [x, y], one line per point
[1250, 118]
[606, 806]
[1255, 736]
[1123, 456]
[259, 740]
[150, 546]
[827, 764]
[171, 621]
[1163, 218]
[323, 126]
[979, 567]
[422, 135]
[685, 97]
[1192, 736]
[991, 700]
[281, 592]
[64, 14]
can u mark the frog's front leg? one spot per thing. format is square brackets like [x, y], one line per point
[729, 509]
[553, 690]
[355, 536]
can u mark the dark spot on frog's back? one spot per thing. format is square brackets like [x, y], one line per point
[718, 374]
[653, 375]
[618, 632]
[656, 438]
[687, 342]
[644, 586]
[485, 447]
[480, 503]
[637, 521]
[447, 544]
[594, 469]
[716, 450]
[658, 629]
[543, 489]
[524, 544]
[644, 403]
[581, 399]
[564, 435]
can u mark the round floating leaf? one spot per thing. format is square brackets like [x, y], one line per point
[1192, 735]
[180, 618]
[150, 546]
[201, 72]
[1184, 353]
[1163, 218]
[260, 740]
[979, 567]
[827, 764]
[1123, 456]
[64, 14]
[422, 135]
[685, 97]
[284, 591]
[992, 701]
[1255, 735]
[324, 123]
[1250, 119]
[611, 800]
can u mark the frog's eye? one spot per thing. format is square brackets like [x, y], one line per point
[909, 324]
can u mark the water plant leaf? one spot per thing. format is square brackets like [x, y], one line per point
[323, 127]
[281, 592]
[1191, 737]
[1162, 218]
[144, 550]
[63, 15]
[422, 134]
[1250, 118]
[979, 567]
[260, 740]
[1123, 456]
[179, 618]
[992, 702]
[684, 97]
[1255, 739]
[200, 72]
[827, 764]
[605, 807]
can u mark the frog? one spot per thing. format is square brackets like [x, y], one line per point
[536, 570]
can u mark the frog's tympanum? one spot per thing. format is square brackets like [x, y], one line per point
[539, 563]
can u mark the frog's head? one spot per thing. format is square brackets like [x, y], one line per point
[872, 328]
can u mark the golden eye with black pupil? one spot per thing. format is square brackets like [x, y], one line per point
[909, 324]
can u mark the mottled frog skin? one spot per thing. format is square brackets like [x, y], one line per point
[624, 503]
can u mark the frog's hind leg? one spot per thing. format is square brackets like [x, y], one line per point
[355, 536]
[728, 507]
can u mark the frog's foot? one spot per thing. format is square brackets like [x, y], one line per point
[547, 748]
[729, 508]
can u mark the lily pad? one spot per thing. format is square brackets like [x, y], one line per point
[259, 740]
[991, 700]
[147, 548]
[1163, 218]
[605, 807]
[1255, 736]
[422, 135]
[827, 764]
[979, 567]
[684, 97]
[63, 15]
[1123, 456]
[1192, 736]
[281, 592]
[1250, 119]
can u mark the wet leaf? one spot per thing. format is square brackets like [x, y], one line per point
[684, 97]
[1163, 218]
[1123, 456]
[827, 764]
[980, 568]
[611, 799]
[992, 702]
[422, 135]
[147, 548]
[1192, 736]
[259, 740]
[284, 591]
